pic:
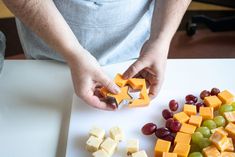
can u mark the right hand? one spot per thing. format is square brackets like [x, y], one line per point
[88, 78]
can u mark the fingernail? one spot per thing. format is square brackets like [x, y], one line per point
[117, 89]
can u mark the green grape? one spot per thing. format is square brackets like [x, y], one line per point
[204, 131]
[209, 124]
[196, 137]
[225, 108]
[196, 154]
[194, 148]
[205, 142]
[233, 105]
[220, 121]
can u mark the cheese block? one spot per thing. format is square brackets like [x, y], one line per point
[195, 120]
[132, 146]
[190, 109]
[221, 130]
[226, 97]
[230, 116]
[141, 153]
[116, 134]
[219, 140]
[227, 154]
[211, 151]
[97, 132]
[100, 153]
[182, 117]
[161, 146]
[165, 154]
[213, 101]
[109, 145]
[230, 128]
[120, 81]
[182, 138]
[206, 112]
[181, 149]
[188, 128]
[93, 144]
[229, 147]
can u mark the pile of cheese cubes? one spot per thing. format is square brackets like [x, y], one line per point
[222, 139]
[101, 146]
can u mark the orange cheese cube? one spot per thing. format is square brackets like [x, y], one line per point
[221, 130]
[227, 154]
[181, 149]
[230, 116]
[206, 112]
[190, 109]
[230, 147]
[213, 101]
[182, 117]
[226, 97]
[219, 140]
[195, 120]
[230, 128]
[211, 151]
[161, 146]
[188, 128]
[166, 154]
[182, 138]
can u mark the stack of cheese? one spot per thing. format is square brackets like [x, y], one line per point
[101, 146]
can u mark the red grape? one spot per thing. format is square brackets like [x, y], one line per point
[167, 114]
[175, 126]
[204, 94]
[215, 91]
[190, 102]
[149, 128]
[170, 138]
[173, 105]
[168, 122]
[198, 105]
[191, 97]
[162, 132]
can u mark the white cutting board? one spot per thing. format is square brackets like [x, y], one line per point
[182, 77]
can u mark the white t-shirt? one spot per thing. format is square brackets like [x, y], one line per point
[111, 30]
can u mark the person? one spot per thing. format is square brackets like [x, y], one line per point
[89, 33]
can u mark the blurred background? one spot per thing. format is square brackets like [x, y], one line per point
[206, 31]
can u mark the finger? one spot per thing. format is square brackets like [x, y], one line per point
[109, 84]
[154, 89]
[134, 69]
[94, 101]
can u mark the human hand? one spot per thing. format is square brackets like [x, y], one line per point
[88, 78]
[150, 65]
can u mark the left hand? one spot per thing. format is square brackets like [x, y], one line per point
[150, 65]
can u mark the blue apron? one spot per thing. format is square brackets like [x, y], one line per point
[111, 30]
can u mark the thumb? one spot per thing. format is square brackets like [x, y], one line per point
[109, 84]
[135, 68]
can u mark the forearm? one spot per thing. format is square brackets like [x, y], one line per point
[166, 18]
[42, 17]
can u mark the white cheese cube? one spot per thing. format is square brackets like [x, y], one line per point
[109, 145]
[100, 153]
[97, 132]
[132, 146]
[140, 154]
[116, 134]
[93, 143]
